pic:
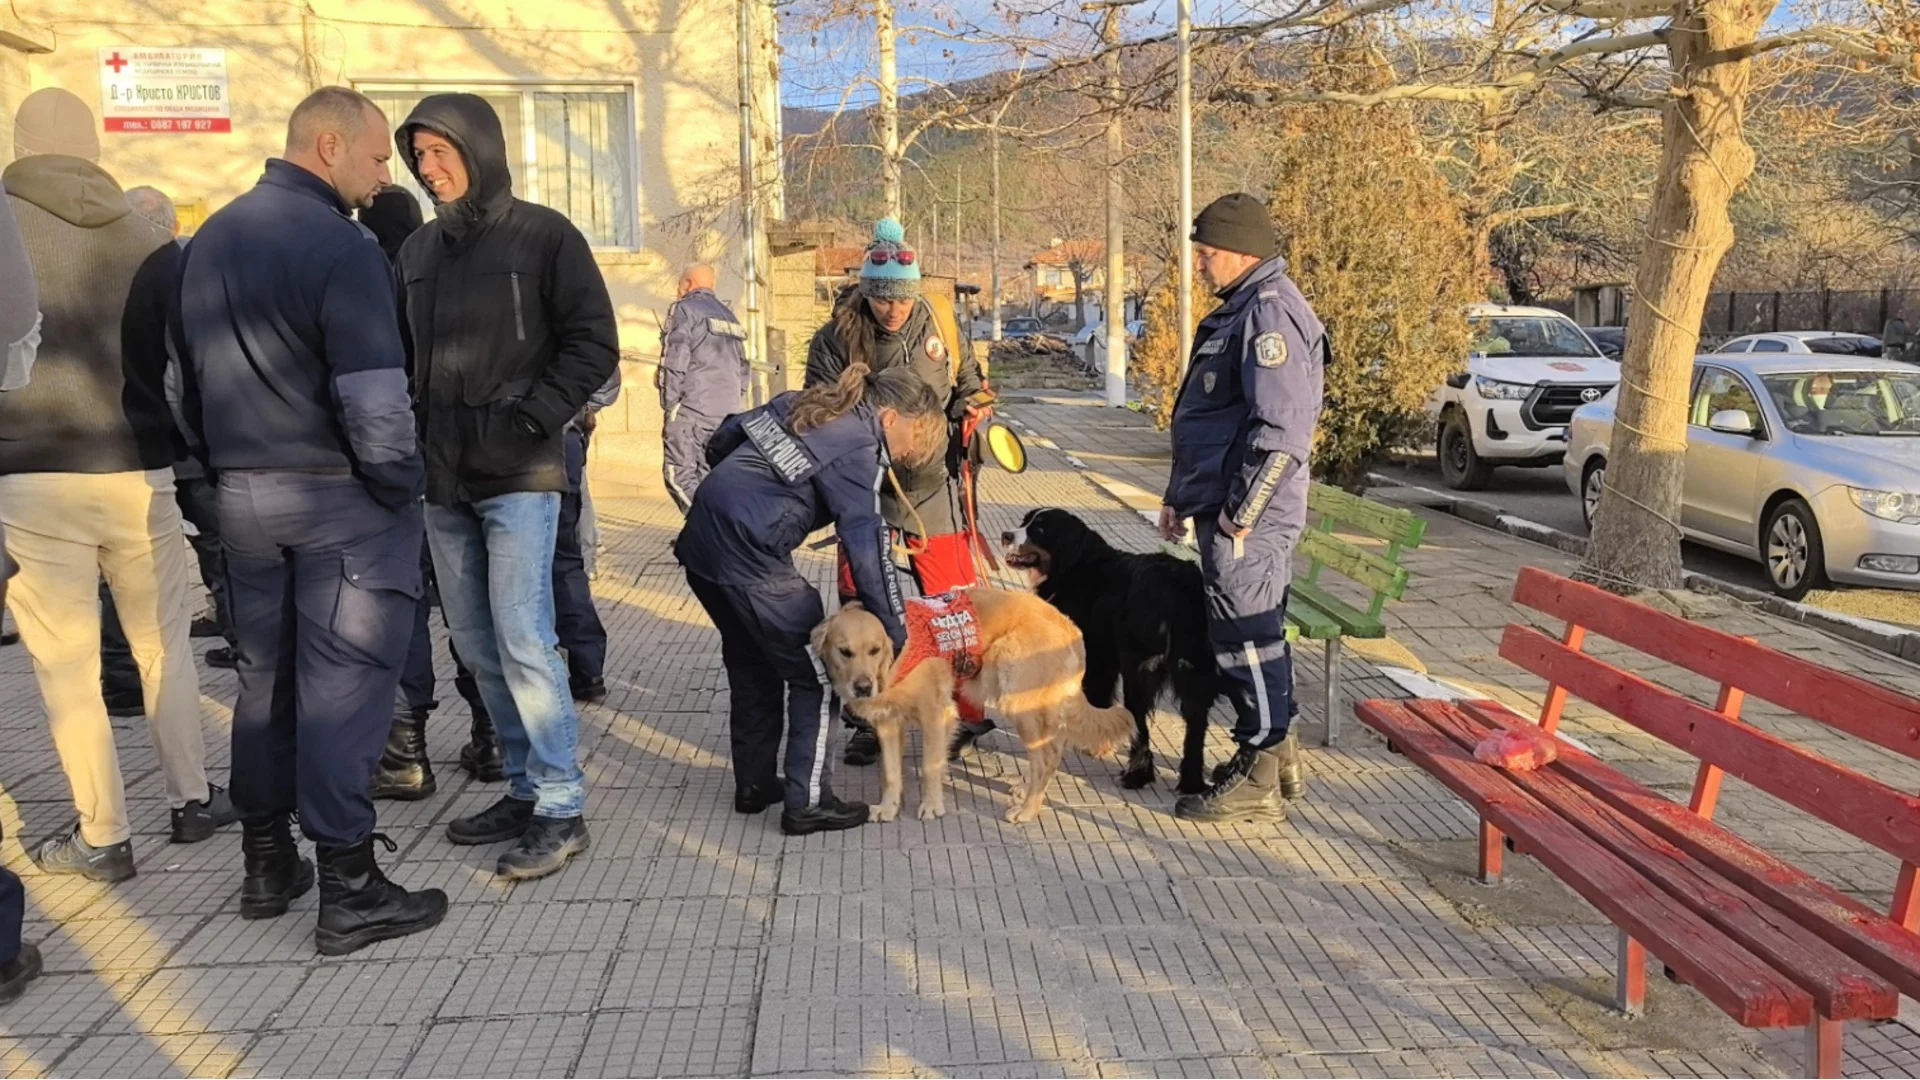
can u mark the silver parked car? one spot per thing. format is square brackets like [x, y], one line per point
[1807, 464]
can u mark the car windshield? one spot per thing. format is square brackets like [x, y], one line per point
[1847, 402]
[1845, 346]
[1531, 336]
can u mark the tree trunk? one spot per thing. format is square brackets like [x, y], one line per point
[996, 229]
[1704, 161]
[889, 107]
[1116, 291]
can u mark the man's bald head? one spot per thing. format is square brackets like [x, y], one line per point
[340, 135]
[697, 276]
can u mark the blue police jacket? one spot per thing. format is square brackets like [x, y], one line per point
[703, 358]
[286, 325]
[1243, 423]
[769, 488]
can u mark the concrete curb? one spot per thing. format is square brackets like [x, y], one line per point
[1883, 637]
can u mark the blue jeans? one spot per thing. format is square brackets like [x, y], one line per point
[493, 560]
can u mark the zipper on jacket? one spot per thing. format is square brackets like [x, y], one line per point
[519, 323]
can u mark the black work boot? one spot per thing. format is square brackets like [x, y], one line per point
[830, 814]
[753, 798]
[504, 820]
[277, 873]
[359, 906]
[481, 756]
[1246, 788]
[16, 973]
[863, 747]
[964, 736]
[405, 772]
[544, 848]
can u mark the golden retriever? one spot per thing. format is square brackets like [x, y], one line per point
[1032, 660]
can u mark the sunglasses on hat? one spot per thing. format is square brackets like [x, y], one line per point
[881, 256]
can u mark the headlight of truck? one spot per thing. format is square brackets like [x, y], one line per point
[1501, 391]
[1888, 505]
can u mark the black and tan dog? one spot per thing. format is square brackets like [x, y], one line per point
[1145, 622]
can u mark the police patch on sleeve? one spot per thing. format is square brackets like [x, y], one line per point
[936, 349]
[1270, 350]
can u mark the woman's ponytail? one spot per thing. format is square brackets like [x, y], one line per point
[818, 406]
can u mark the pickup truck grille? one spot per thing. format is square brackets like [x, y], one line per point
[1552, 406]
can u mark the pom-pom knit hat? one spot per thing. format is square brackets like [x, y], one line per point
[891, 270]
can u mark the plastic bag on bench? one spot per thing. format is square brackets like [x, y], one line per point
[1521, 751]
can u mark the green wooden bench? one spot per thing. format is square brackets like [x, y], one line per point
[1318, 614]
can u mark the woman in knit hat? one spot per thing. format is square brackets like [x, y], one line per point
[884, 323]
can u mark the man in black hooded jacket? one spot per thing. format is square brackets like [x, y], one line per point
[512, 331]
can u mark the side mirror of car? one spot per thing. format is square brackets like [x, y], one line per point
[1732, 422]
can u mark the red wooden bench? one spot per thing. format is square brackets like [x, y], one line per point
[1768, 943]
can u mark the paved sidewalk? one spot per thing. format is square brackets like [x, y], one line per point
[1106, 939]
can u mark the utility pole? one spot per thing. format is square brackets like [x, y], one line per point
[1116, 290]
[889, 107]
[1184, 290]
[956, 225]
[995, 256]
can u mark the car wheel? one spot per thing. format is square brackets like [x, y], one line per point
[1791, 550]
[1592, 483]
[1461, 466]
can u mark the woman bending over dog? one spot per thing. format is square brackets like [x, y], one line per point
[802, 461]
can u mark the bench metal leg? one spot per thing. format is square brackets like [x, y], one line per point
[1492, 853]
[1826, 1047]
[1333, 691]
[1631, 976]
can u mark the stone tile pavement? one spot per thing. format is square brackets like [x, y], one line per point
[1106, 939]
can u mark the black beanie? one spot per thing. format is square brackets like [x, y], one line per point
[1237, 222]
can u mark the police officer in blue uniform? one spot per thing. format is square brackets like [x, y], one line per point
[294, 392]
[703, 377]
[1242, 432]
[802, 461]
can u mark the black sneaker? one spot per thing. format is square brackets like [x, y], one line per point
[965, 736]
[15, 974]
[504, 820]
[222, 657]
[544, 848]
[830, 814]
[863, 747]
[204, 626]
[753, 798]
[589, 690]
[68, 854]
[198, 821]
[124, 704]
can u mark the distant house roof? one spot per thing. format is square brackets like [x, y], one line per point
[1084, 252]
[834, 261]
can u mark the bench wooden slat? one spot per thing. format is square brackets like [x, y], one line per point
[1870, 937]
[1355, 563]
[1842, 988]
[1875, 812]
[1312, 623]
[1864, 709]
[1730, 976]
[1352, 622]
[1396, 525]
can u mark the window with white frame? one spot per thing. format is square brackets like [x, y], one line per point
[569, 147]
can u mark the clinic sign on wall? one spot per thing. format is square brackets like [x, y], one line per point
[183, 91]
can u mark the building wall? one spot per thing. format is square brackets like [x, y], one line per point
[678, 60]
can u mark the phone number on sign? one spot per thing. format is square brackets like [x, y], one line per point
[118, 123]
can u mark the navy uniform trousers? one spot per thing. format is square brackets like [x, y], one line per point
[1247, 625]
[325, 583]
[684, 452]
[765, 632]
[575, 620]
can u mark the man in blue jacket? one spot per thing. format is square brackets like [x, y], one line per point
[295, 393]
[703, 376]
[1242, 432]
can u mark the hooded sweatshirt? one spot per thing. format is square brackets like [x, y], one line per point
[96, 403]
[511, 324]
